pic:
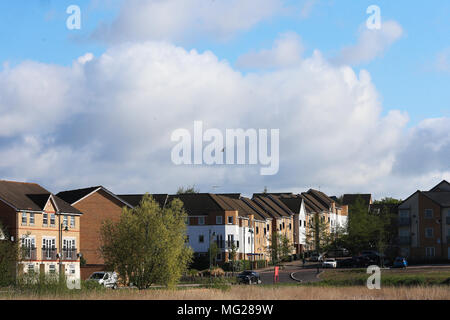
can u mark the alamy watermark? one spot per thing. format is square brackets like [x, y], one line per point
[229, 149]
[73, 22]
[374, 281]
[374, 21]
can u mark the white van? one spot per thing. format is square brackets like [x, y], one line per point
[105, 278]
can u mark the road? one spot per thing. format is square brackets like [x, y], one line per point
[307, 274]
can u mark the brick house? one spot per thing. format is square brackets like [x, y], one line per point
[424, 224]
[47, 227]
[97, 204]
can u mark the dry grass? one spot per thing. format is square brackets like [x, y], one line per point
[262, 293]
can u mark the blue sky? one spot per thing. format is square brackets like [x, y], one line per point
[302, 66]
[405, 75]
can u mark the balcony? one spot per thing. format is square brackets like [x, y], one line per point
[404, 240]
[447, 220]
[70, 254]
[404, 222]
[49, 254]
[29, 253]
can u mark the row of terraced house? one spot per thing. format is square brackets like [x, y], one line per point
[58, 231]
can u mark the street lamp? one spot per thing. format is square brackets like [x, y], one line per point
[61, 229]
[210, 260]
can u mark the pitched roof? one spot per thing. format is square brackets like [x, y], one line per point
[312, 204]
[350, 199]
[201, 203]
[272, 205]
[31, 197]
[444, 185]
[73, 196]
[440, 197]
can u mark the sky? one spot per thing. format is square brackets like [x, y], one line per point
[358, 110]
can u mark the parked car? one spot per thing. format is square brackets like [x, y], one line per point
[249, 277]
[105, 278]
[346, 263]
[400, 262]
[329, 263]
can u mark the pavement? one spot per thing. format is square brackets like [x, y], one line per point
[293, 272]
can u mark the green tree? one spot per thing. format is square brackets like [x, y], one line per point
[279, 247]
[213, 251]
[147, 245]
[187, 190]
[318, 235]
[9, 257]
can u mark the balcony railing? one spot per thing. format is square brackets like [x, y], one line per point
[404, 221]
[404, 240]
[70, 254]
[48, 254]
[447, 220]
[29, 253]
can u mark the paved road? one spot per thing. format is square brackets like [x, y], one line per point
[307, 274]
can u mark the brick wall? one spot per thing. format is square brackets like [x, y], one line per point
[96, 208]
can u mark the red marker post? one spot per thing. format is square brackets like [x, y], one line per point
[276, 275]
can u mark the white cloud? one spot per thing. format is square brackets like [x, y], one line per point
[178, 20]
[108, 120]
[371, 44]
[286, 52]
[307, 8]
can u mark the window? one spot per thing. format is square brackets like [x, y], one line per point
[290, 226]
[265, 231]
[429, 232]
[52, 220]
[24, 218]
[31, 268]
[428, 213]
[52, 269]
[257, 230]
[31, 219]
[186, 220]
[65, 221]
[72, 222]
[219, 220]
[45, 219]
[268, 227]
[429, 251]
[201, 220]
[201, 238]
[230, 220]
[283, 226]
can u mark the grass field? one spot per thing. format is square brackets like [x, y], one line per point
[391, 277]
[255, 293]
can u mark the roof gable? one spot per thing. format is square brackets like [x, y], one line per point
[444, 185]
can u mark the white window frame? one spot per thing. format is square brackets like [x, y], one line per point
[45, 219]
[218, 219]
[430, 250]
[32, 219]
[72, 222]
[232, 220]
[201, 221]
[24, 215]
[427, 211]
[426, 233]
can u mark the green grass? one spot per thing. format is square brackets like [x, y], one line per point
[358, 277]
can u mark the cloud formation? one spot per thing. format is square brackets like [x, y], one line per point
[179, 20]
[108, 120]
[371, 44]
[286, 52]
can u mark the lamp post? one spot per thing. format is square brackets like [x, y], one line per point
[61, 229]
[210, 260]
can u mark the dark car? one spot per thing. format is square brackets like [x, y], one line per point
[249, 277]
[346, 263]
